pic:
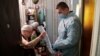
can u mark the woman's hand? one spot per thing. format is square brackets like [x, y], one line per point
[42, 35]
[58, 53]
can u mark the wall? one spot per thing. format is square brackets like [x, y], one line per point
[95, 43]
[98, 41]
[22, 13]
[74, 3]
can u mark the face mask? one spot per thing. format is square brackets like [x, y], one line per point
[62, 16]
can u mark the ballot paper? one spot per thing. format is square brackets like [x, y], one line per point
[47, 40]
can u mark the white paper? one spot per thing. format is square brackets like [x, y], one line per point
[48, 43]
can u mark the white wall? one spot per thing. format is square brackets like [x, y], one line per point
[95, 45]
[22, 13]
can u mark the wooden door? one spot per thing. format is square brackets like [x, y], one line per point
[9, 28]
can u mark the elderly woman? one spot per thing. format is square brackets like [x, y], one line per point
[27, 43]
